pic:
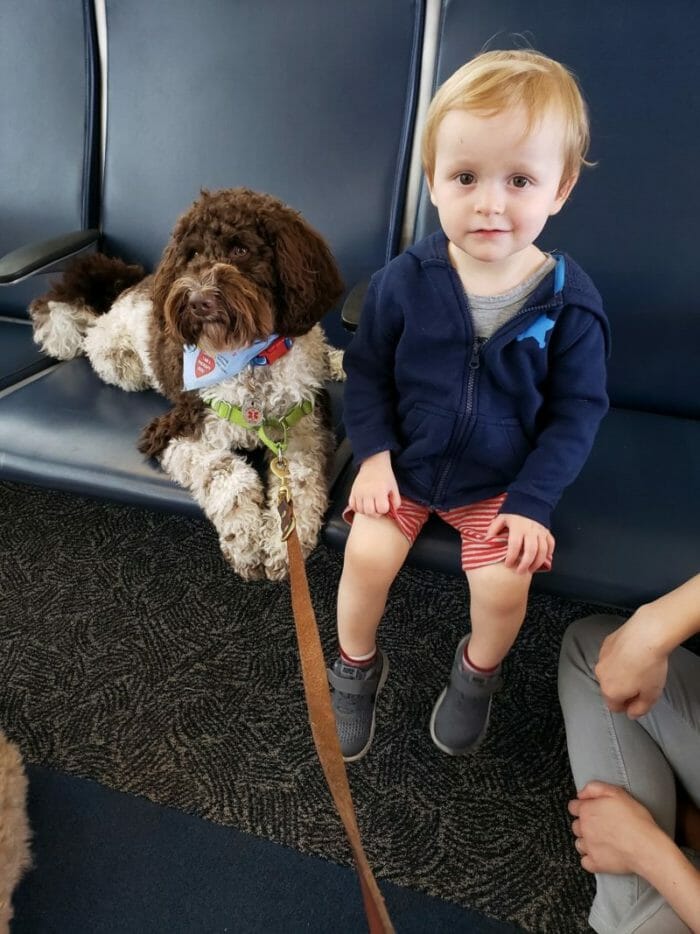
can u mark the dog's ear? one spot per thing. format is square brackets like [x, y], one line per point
[307, 272]
[164, 277]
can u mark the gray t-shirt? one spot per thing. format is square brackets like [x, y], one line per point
[490, 312]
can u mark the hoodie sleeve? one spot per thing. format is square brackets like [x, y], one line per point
[370, 394]
[576, 402]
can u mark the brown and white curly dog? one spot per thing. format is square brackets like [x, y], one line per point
[240, 266]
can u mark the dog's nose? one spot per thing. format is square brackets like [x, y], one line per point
[200, 302]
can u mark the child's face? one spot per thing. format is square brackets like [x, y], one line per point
[494, 186]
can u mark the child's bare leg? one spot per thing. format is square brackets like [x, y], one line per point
[497, 609]
[374, 552]
[498, 603]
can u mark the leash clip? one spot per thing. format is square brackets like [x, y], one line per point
[285, 508]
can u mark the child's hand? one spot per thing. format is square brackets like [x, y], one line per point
[529, 543]
[631, 668]
[613, 832]
[375, 487]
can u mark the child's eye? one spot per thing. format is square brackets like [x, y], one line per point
[466, 178]
[519, 181]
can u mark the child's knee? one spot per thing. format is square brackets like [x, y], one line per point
[375, 553]
[499, 588]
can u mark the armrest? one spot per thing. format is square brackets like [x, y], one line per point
[352, 308]
[44, 256]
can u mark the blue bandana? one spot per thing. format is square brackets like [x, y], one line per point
[199, 369]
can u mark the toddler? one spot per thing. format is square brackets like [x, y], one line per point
[475, 384]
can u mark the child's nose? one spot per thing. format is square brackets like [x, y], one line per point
[489, 199]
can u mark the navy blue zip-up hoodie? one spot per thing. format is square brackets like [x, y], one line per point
[466, 420]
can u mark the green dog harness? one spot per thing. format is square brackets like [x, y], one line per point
[253, 419]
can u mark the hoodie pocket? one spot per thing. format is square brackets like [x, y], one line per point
[495, 452]
[426, 432]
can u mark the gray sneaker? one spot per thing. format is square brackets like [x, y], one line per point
[354, 699]
[461, 713]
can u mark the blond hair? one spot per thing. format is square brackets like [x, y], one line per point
[495, 81]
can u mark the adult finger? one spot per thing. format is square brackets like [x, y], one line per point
[615, 706]
[596, 789]
[643, 702]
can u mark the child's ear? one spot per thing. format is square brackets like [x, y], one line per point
[565, 189]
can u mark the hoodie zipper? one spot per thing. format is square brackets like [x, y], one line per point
[477, 349]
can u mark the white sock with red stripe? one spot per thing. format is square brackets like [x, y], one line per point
[358, 661]
[468, 665]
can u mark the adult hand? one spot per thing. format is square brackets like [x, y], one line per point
[530, 544]
[614, 833]
[375, 487]
[632, 668]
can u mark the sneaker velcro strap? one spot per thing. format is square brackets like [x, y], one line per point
[352, 685]
[473, 685]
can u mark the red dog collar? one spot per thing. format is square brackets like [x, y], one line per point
[278, 348]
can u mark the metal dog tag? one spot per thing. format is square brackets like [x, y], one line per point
[252, 413]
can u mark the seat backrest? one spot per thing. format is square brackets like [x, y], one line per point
[48, 126]
[311, 102]
[631, 220]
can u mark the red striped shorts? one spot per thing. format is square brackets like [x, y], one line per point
[470, 521]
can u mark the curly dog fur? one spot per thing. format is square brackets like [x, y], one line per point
[14, 827]
[240, 266]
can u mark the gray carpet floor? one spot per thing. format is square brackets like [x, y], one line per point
[132, 655]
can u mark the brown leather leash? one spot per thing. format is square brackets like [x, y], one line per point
[318, 702]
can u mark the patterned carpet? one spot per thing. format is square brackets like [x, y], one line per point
[130, 654]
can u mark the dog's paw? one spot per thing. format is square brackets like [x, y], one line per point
[246, 561]
[242, 544]
[274, 549]
[59, 328]
[110, 348]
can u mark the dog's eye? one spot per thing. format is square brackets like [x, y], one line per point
[190, 255]
[237, 250]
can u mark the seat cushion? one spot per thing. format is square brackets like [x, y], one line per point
[19, 355]
[626, 530]
[68, 430]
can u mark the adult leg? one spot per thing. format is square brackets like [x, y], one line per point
[612, 748]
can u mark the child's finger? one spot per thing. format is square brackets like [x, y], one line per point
[529, 553]
[515, 544]
[540, 556]
[497, 525]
